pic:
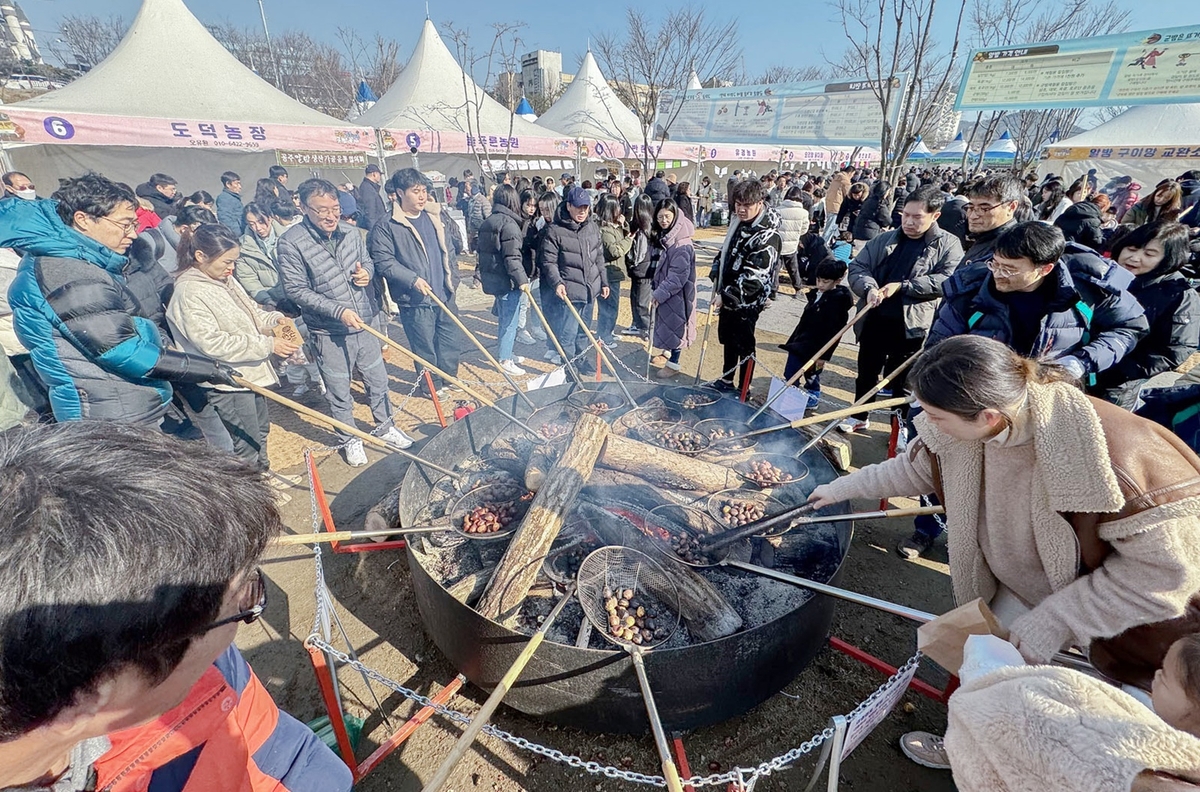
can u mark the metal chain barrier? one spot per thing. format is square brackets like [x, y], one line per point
[824, 400]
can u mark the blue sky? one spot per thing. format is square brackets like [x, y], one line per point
[550, 25]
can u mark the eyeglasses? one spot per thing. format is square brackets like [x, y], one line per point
[980, 208]
[257, 594]
[325, 213]
[127, 228]
[1002, 271]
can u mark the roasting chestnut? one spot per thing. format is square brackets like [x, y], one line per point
[764, 474]
[736, 513]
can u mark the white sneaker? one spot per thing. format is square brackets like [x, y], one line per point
[512, 368]
[851, 425]
[354, 454]
[397, 438]
[526, 338]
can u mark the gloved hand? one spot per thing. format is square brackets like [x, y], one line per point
[1073, 365]
[224, 375]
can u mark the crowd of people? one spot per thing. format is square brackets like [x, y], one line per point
[1038, 315]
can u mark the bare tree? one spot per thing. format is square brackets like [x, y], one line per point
[376, 61]
[647, 60]
[889, 38]
[1000, 23]
[778, 73]
[499, 57]
[87, 39]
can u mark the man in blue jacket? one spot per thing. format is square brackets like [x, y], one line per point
[88, 336]
[1045, 299]
[229, 203]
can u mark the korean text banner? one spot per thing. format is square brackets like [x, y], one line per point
[1152, 67]
[800, 114]
[26, 126]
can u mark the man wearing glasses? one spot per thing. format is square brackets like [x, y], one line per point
[991, 204]
[1046, 300]
[118, 609]
[89, 337]
[327, 271]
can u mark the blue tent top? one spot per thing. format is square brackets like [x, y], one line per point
[365, 94]
[524, 108]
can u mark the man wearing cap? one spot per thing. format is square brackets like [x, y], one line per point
[371, 208]
[572, 266]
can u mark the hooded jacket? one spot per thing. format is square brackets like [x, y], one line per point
[317, 274]
[163, 207]
[922, 288]
[1081, 223]
[400, 256]
[1172, 309]
[93, 346]
[226, 735]
[744, 268]
[1117, 321]
[571, 254]
[983, 245]
[793, 224]
[1114, 508]
[675, 287]
[501, 269]
[658, 189]
[875, 215]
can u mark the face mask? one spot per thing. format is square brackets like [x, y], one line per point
[27, 195]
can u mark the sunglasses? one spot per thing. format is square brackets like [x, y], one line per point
[256, 594]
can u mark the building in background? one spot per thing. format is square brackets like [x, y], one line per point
[16, 34]
[541, 73]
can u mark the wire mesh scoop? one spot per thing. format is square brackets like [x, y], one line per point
[610, 576]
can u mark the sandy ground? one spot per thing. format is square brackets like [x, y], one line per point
[375, 604]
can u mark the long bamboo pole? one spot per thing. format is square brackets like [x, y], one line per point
[600, 350]
[553, 336]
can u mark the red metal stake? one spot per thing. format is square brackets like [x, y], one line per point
[681, 761]
[396, 740]
[437, 403]
[924, 688]
[327, 516]
[336, 719]
[749, 376]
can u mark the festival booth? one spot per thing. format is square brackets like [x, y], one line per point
[1002, 151]
[954, 152]
[435, 117]
[171, 99]
[1148, 142]
[920, 152]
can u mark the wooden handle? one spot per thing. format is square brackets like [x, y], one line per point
[420, 361]
[349, 536]
[846, 412]
[474, 339]
[353, 431]
[600, 350]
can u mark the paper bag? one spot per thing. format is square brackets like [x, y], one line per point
[286, 329]
[942, 639]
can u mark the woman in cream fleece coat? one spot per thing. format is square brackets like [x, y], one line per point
[212, 314]
[1078, 522]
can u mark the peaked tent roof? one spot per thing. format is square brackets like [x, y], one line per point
[1143, 125]
[525, 110]
[957, 146]
[590, 108]
[920, 151]
[169, 66]
[694, 81]
[1004, 145]
[429, 94]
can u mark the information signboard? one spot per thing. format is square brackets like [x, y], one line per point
[1151, 67]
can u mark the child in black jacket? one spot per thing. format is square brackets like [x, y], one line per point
[827, 312]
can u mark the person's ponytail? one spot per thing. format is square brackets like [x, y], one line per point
[212, 239]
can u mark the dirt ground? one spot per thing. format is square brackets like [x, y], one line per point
[375, 604]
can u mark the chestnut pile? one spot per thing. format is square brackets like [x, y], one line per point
[555, 430]
[598, 408]
[736, 513]
[628, 619]
[720, 433]
[693, 402]
[489, 518]
[764, 474]
[689, 549]
[675, 438]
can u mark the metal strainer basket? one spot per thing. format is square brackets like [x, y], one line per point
[609, 573]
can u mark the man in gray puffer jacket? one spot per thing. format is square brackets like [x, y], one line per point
[328, 272]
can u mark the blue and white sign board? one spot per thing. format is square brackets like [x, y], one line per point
[1151, 67]
[798, 114]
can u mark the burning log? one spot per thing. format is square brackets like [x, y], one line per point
[665, 468]
[706, 611]
[522, 561]
[541, 462]
[470, 588]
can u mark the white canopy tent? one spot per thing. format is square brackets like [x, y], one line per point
[1147, 142]
[694, 82]
[920, 151]
[168, 76]
[590, 109]
[955, 150]
[435, 105]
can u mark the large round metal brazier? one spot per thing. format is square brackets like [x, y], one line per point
[596, 690]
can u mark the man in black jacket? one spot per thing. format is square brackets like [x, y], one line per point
[162, 191]
[571, 263]
[371, 207]
[413, 255]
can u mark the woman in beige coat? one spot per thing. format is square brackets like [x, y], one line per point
[1077, 522]
[211, 314]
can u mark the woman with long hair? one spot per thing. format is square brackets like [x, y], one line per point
[502, 270]
[1164, 205]
[1077, 522]
[674, 296]
[683, 197]
[211, 314]
[1154, 254]
[267, 192]
[704, 202]
[1054, 202]
[639, 265]
[527, 333]
[616, 243]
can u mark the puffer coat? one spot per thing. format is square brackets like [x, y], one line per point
[675, 287]
[256, 270]
[1173, 313]
[317, 276]
[501, 269]
[793, 224]
[572, 254]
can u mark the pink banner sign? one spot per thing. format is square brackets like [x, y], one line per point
[427, 141]
[26, 126]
